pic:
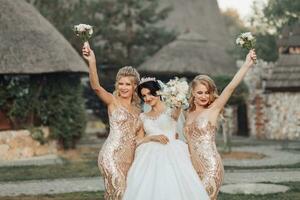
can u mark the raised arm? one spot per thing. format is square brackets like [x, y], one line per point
[220, 102]
[89, 55]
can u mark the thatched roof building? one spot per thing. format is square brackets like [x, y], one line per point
[31, 45]
[286, 73]
[190, 53]
[202, 45]
[290, 36]
[200, 16]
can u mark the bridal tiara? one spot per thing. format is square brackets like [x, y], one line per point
[147, 79]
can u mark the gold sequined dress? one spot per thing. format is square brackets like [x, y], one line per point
[117, 153]
[205, 157]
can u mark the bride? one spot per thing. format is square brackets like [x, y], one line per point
[162, 168]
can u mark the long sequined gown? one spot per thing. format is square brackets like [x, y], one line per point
[117, 153]
[205, 157]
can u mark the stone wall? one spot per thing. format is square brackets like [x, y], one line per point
[283, 114]
[19, 144]
[271, 115]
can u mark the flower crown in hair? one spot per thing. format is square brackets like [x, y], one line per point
[147, 79]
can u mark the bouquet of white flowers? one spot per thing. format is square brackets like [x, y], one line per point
[83, 31]
[175, 92]
[246, 40]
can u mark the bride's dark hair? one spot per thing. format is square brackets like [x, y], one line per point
[153, 86]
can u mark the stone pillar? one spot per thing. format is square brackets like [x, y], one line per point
[259, 115]
[256, 102]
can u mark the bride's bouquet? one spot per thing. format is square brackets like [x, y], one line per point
[83, 31]
[174, 93]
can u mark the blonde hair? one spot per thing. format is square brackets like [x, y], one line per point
[128, 71]
[210, 85]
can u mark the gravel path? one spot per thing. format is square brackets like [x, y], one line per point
[96, 183]
[274, 156]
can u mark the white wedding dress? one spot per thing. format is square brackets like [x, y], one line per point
[163, 171]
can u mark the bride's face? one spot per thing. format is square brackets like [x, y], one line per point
[149, 98]
[201, 94]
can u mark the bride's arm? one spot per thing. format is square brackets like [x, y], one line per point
[141, 138]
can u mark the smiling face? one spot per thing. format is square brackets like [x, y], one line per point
[126, 87]
[148, 98]
[202, 95]
[203, 92]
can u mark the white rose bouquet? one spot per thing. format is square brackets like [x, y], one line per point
[246, 40]
[83, 31]
[175, 92]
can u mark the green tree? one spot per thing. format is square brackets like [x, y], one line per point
[269, 21]
[53, 100]
[63, 14]
[126, 32]
[235, 26]
[266, 47]
[281, 12]
[129, 31]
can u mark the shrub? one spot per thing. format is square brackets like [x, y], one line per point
[50, 100]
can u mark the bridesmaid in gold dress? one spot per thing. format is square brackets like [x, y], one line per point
[117, 153]
[200, 127]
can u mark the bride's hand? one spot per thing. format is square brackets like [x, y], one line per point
[161, 139]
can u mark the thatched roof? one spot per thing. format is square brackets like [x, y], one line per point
[31, 45]
[290, 36]
[200, 16]
[191, 53]
[286, 73]
[202, 43]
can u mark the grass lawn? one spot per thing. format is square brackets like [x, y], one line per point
[83, 168]
[67, 170]
[67, 196]
[81, 162]
[292, 166]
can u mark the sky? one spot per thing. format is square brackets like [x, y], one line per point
[244, 7]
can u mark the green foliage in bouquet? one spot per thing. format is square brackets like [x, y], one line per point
[53, 100]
